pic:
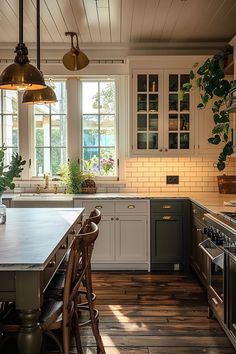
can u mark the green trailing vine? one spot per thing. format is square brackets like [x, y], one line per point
[209, 78]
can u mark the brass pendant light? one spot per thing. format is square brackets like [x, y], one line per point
[44, 95]
[75, 59]
[21, 75]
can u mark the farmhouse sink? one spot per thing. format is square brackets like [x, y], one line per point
[43, 196]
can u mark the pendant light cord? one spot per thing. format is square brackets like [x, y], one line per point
[38, 33]
[20, 21]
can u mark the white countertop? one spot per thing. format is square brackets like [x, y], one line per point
[212, 201]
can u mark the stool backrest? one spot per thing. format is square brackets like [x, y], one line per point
[94, 216]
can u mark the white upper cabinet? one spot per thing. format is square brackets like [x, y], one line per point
[162, 123]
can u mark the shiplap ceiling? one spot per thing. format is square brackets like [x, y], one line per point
[125, 22]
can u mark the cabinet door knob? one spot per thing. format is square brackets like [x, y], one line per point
[117, 218]
[167, 217]
[131, 206]
[112, 218]
[160, 150]
[166, 150]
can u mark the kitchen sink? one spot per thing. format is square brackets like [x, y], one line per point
[43, 196]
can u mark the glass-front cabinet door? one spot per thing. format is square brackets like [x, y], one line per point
[147, 111]
[162, 122]
[177, 116]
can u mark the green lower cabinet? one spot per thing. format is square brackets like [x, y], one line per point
[170, 229]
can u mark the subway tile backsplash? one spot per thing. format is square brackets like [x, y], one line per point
[196, 174]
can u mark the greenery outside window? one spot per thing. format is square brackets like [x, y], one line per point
[99, 133]
[9, 122]
[50, 133]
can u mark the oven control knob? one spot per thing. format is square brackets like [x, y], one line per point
[219, 241]
[205, 230]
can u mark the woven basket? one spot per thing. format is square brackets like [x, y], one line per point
[227, 184]
[88, 190]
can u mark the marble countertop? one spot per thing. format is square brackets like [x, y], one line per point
[212, 201]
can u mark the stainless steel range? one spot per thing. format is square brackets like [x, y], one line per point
[220, 247]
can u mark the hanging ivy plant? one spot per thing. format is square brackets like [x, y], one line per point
[209, 78]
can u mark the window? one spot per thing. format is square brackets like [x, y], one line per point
[9, 122]
[99, 127]
[50, 133]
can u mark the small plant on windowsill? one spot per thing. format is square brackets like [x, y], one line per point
[72, 177]
[209, 78]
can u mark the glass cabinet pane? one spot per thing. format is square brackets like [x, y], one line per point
[153, 103]
[184, 140]
[142, 141]
[142, 103]
[153, 83]
[173, 140]
[173, 102]
[153, 141]
[142, 121]
[153, 122]
[142, 83]
[173, 121]
[184, 104]
[184, 121]
[184, 79]
[173, 83]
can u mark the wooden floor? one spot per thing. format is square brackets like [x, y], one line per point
[153, 314]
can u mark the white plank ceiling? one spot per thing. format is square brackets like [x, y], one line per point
[128, 22]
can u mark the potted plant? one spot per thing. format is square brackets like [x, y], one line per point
[7, 174]
[72, 176]
[214, 89]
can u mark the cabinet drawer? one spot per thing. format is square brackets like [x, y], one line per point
[131, 206]
[106, 207]
[198, 212]
[166, 206]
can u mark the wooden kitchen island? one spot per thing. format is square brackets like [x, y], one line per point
[33, 243]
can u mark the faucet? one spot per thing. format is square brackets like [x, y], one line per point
[45, 176]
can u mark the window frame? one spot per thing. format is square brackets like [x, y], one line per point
[103, 78]
[32, 162]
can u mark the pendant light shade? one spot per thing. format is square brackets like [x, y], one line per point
[75, 59]
[44, 95]
[21, 75]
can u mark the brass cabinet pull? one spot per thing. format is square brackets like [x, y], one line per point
[63, 247]
[167, 217]
[131, 206]
[98, 206]
[166, 206]
[52, 264]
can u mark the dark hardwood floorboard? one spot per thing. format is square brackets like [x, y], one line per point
[154, 314]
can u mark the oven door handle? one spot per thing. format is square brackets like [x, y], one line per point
[213, 252]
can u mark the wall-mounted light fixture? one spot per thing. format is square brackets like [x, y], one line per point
[45, 95]
[21, 75]
[75, 59]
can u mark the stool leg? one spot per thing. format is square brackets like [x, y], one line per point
[94, 320]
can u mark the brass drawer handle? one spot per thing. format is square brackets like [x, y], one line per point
[52, 264]
[166, 206]
[98, 206]
[131, 206]
[167, 217]
[63, 247]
